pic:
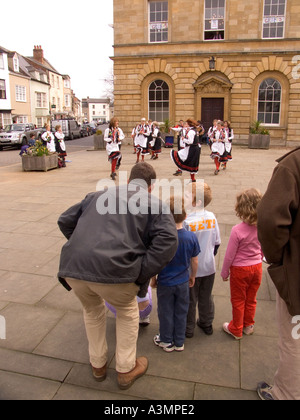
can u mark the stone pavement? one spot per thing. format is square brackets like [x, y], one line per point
[44, 355]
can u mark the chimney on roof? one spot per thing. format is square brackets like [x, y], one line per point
[38, 54]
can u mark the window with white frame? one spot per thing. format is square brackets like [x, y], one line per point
[5, 119]
[158, 21]
[22, 119]
[159, 101]
[16, 64]
[1, 61]
[41, 100]
[269, 101]
[20, 93]
[274, 18]
[67, 83]
[2, 89]
[67, 101]
[214, 19]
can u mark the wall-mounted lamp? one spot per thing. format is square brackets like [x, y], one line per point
[212, 63]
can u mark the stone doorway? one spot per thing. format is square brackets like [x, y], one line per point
[212, 97]
[211, 108]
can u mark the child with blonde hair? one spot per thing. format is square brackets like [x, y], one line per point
[204, 225]
[243, 262]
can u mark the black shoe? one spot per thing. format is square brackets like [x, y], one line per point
[207, 330]
[177, 173]
[113, 176]
[189, 334]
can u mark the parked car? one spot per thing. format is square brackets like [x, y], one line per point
[70, 128]
[18, 134]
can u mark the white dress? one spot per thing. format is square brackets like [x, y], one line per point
[218, 146]
[142, 133]
[49, 138]
[60, 137]
[113, 139]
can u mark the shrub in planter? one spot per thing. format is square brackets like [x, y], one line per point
[38, 158]
[259, 137]
[165, 129]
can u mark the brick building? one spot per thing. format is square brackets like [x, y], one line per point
[229, 59]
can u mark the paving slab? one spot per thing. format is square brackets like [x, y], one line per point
[45, 353]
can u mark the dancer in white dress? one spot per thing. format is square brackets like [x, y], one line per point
[49, 140]
[113, 136]
[142, 132]
[218, 139]
[188, 158]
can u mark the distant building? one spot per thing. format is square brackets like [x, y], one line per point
[5, 101]
[56, 92]
[20, 91]
[77, 108]
[97, 110]
[234, 60]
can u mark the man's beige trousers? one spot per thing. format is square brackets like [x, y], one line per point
[123, 298]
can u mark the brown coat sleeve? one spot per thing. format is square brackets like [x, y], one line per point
[275, 213]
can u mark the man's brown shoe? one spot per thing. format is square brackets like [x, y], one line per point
[125, 380]
[99, 373]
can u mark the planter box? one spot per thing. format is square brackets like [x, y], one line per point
[99, 143]
[39, 163]
[258, 141]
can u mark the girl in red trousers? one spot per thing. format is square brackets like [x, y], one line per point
[113, 136]
[243, 262]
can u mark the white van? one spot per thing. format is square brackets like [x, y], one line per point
[70, 128]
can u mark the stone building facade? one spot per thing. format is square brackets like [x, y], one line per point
[228, 59]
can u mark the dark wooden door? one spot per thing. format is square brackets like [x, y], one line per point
[211, 109]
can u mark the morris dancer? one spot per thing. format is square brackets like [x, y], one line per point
[113, 136]
[156, 141]
[228, 143]
[218, 145]
[141, 139]
[188, 158]
[60, 146]
[133, 136]
[211, 132]
[48, 139]
[180, 129]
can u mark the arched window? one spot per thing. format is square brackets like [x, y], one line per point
[159, 101]
[269, 101]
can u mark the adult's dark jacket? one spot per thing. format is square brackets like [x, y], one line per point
[279, 229]
[119, 246]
